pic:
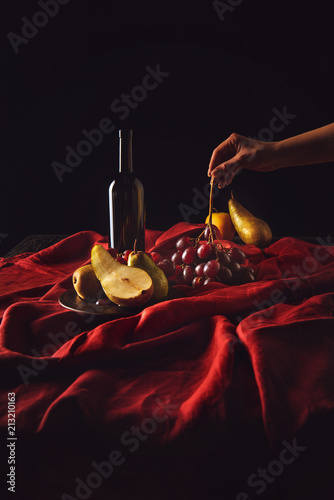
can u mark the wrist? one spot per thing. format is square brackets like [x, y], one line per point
[277, 155]
[270, 156]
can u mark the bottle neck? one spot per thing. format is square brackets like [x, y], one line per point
[125, 151]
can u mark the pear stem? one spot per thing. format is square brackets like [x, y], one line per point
[135, 246]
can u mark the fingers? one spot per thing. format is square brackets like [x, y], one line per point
[226, 158]
[225, 151]
[223, 174]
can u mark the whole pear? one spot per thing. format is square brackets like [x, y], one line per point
[160, 282]
[251, 230]
[85, 283]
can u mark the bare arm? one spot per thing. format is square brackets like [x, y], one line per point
[315, 146]
[236, 152]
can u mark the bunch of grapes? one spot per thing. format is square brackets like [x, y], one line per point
[197, 262]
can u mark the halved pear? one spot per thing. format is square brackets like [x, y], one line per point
[123, 285]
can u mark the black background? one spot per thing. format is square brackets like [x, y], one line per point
[224, 76]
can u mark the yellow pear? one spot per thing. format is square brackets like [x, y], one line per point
[143, 261]
[122, 284]
[250, 229]
[86, 284]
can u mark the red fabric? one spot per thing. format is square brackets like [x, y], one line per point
[193, 367]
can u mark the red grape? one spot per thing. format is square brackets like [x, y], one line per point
[121, 259]
[113, 252]
[188, 274]
[234, 267]
[188, 255]
[237, 255]
[223, 258]
[250, 270]
[167, 266]
[183, 243]
[176, 274]
[245, 275]
[209, 280]
[126, 254]
[225, 275]
[204, 251]
[211, 268]
[215, 232]
[156, 257]
[197, 281]
[177, 257]
[199, 269]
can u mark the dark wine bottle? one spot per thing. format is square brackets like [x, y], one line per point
[126, 202]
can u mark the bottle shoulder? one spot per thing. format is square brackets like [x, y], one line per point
[126, 180]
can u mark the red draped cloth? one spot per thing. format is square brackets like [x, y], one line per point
[222, 392]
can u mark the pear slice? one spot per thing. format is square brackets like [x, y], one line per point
[123, 285]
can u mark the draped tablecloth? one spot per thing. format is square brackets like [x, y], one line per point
[222, 392]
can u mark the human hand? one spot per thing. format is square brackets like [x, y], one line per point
[239, 152]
